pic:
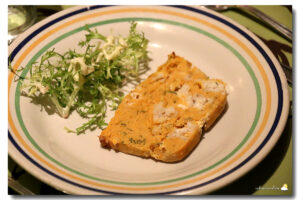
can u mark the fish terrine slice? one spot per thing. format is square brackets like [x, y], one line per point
[165, 115]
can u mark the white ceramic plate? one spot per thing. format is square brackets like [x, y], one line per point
[256, 114]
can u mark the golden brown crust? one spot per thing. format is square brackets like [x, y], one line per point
[163, 117]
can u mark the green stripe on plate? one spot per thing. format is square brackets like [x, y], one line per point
[226, 45]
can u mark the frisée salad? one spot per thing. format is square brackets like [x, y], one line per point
[88, 81]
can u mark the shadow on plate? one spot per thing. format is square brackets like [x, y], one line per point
[259, 175]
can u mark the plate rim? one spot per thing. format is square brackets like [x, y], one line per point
[59, 14]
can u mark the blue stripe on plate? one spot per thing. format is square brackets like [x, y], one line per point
[250, 39]
[37, 31]
[49, 172]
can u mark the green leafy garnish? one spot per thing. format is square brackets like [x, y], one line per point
[88, 82]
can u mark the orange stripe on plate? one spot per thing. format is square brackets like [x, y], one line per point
[123, 10]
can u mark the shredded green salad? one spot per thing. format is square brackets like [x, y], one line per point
[88, 82]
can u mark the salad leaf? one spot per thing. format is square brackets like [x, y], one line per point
[88, 82]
